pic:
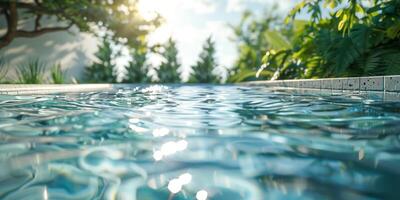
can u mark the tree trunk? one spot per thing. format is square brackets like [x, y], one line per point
[12, 23]
[10, 12]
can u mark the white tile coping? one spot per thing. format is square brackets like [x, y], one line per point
[26, 89]
[373, 83]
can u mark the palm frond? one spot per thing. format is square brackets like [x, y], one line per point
[392, 62]
[341, 55]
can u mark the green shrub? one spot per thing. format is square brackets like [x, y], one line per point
[355, 39]
[57, 74]
[3, 70]
[31, 73]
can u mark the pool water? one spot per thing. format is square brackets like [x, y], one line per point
[199, 142]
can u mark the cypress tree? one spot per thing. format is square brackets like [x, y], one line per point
[137, 70]
[203, 70]
[168, 70]
[102, 71]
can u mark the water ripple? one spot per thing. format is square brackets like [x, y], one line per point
[196, 142]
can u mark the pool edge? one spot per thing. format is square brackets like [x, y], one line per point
[386, 87]
[31, 89]
[371, 83]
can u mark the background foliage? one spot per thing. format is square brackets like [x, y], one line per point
[250, 35]
[355, 39]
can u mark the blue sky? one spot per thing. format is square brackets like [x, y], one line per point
[190, 22]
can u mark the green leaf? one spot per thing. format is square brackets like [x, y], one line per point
[368, 64]
[392, 62]
[342, 54]
[339, 13]
[299, 25]
[360, 36]
[394, 31]
[342, 22]
[277, 41]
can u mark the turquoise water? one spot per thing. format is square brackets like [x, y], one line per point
[199, 142]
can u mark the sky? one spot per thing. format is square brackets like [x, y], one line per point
[190, 22]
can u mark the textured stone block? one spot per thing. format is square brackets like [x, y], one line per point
[292, 84]
[337, 84]
[316, 84]
[307, 84]
[296, 83]
[326, 84]
[286, 84]
[392, 83]
[279, 83]
[351, 84]
[301, 84]
[375, 83]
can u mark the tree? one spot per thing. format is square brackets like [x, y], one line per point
[356, 39]
[102, 70]
[203, 71]
[168, 71]
[118, 16]
[137, 70]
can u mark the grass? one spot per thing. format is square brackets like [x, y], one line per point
[31, 73]
[57, 74]
[3, 70]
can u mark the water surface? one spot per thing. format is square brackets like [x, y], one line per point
[199, 142]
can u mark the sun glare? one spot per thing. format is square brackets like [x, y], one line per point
[149, 9]
[169, 10]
